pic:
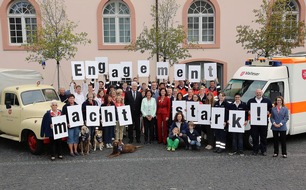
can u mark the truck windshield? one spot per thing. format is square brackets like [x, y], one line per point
[34, 96]
[246, 88]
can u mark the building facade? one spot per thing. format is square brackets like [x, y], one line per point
[113, 24]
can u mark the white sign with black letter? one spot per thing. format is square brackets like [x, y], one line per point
[179, 72]
[75, 115]
[127, 69]
[78, 70]
[178, 106]
[108, 114]
[124, 115]
[102, 65]
[92, 116]
[91, 68]
[259, 114]
[192, 111]
[60, 128]
[143, 68]
[115, 72]
[162, 70]
[194, 73]
[236, 121]
[210, 71]
[217, 118]
[204, 111]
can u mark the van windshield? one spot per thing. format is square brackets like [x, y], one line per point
[35, 96]
[246, 88]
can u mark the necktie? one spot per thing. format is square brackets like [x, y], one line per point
[134, 95]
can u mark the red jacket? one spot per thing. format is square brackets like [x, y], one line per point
[163, 107]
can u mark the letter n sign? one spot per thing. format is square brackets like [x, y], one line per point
[60, 128]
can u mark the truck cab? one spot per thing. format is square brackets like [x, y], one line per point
[22, 108]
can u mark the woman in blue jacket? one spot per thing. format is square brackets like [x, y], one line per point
[182, 125]
[279, 118]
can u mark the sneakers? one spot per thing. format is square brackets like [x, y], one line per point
[173, 149]
[236, 153]
[241, 153]
[233, 153]
[169, 148]
[208, 147]
[52, 158]
[60, 157]
[109, 145]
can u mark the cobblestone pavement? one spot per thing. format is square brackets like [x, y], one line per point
[152, 167]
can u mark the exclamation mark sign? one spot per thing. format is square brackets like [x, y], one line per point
[258, 113]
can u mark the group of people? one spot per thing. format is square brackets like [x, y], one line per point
[151, 110]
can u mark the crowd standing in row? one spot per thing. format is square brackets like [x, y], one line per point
[151, 109]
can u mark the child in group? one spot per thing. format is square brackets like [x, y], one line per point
[118, 127]
[173, 139]
[194, 138]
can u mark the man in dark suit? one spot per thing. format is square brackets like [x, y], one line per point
[134, 99]
[259, 130]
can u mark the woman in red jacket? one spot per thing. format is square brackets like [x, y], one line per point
[162, 113]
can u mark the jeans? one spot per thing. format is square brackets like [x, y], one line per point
[195, 143]
[73, 135]
[237, 142]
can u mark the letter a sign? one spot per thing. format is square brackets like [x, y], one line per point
[60, 129]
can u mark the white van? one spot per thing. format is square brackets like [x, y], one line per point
[281, 76]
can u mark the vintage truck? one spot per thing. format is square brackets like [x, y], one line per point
[23, 102]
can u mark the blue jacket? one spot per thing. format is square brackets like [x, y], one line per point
[279, 117]
[183, 128]
[46, 130]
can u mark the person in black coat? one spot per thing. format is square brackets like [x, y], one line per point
[260, 130]
[134, 98]
[221, 134]
[237, 146]
[47, 130]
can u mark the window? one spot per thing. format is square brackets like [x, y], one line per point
[22, 22]
[292, 16]
[11, 99]
[201, 22]
[116, 23]
[274, 90]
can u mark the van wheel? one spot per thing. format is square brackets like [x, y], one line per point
[35, 146]
[248, 141]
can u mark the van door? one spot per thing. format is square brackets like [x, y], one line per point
[10, 123]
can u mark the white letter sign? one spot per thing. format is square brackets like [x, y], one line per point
[78, 71]
[127, 69]
[192, 111]
[108, 116]
[236, 121]
[259, 114]
[60, 128]
[162, 70]
[178, 106]
[179, 72]
[102, 65]
[115, 72]
[217, 118]
[92, 116]
[210, 71]
[75, 115]
[91, 68]
[204, 114]
[194, 74]
[143, 68]
[124, 115]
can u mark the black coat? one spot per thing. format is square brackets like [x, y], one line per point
[135, 105]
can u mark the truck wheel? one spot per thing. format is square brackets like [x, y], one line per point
[248, 141]
[35, 146]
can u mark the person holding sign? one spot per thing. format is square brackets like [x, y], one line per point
[119, 128]
[148, 110]
[279, 118]
[47, 130]
[207, 128]
[259, 130]
[108, 131]
[163, 113]
[73, 132]
[237, 147]
[220, 134]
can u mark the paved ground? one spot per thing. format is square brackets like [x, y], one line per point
[152, 167]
